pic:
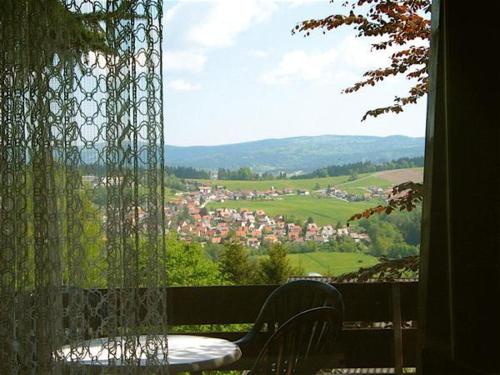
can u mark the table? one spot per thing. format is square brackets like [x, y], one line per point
[185, 353]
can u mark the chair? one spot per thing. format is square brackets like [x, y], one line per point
[303, 345]
[285, 302]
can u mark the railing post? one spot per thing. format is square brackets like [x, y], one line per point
[396, 326]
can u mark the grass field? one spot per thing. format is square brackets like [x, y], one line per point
[331, 264]
[360, 185]
[322, 210]
[364, 180]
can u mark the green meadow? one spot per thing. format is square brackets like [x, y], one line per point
[342, 182]
[330, 264]
[322, 210]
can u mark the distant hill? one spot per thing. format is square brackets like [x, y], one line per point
[296, 154]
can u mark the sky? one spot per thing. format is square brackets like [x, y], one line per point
[233, 72]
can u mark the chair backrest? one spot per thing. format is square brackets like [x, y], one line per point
[302, 345]
[290, 299]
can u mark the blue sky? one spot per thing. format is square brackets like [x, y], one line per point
[233, 73]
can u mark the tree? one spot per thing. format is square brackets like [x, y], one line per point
[276, 268]
[346, 245]
[184, 216]
[93, 260]
[409, 223]
[235, 264]
[402, 26]
[353, 176]
[68, 34]
[187, 264]
[387, 239]
[309, 220]
[399, 25]
[406, 196]
[401, 250]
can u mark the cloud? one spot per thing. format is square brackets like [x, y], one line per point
[295, 3]
[170, 12]
[357, 54]
[300, 65]
[257, 53]
[181, 85]
[344, 64]
[227, 19]
[184, 60]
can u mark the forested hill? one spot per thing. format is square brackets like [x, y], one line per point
[303, 154]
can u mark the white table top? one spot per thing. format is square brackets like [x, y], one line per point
[185, 353]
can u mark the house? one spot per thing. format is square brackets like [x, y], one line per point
[358, 237]
[241, 232]
[204, 189]
[215, 240]
[270, 239]
[260, 213]
[328, 231]
[253, 242]
[90, 179]
[342, 232]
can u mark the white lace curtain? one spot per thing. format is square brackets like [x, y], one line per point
[82, 252]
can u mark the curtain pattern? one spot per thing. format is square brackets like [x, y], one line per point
[82, 252]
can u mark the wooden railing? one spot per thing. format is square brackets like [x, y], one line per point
[379, 329]
[363, 344]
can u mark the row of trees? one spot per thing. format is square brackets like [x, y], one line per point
[232, 263]
[247, 174]
[239, 268]
[353, 169]
[187, 172]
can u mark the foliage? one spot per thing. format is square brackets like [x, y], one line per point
[183, 216]
[175, 183]
[275, 268]
[93, 264]
[405, 196]
[187, 264]
[346, 244]
[409, 223]
[68, 35]
[187, 172]
[393, 236]
[353, 176]
[396, 25]
[244, 174]
[235, 264]
[387, 270]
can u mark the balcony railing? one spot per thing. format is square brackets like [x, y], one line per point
[379, 324]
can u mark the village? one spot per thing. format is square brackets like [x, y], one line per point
[188, 216]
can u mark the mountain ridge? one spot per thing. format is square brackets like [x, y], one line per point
[294, 154]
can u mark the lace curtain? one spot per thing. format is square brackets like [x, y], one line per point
[82, 252]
